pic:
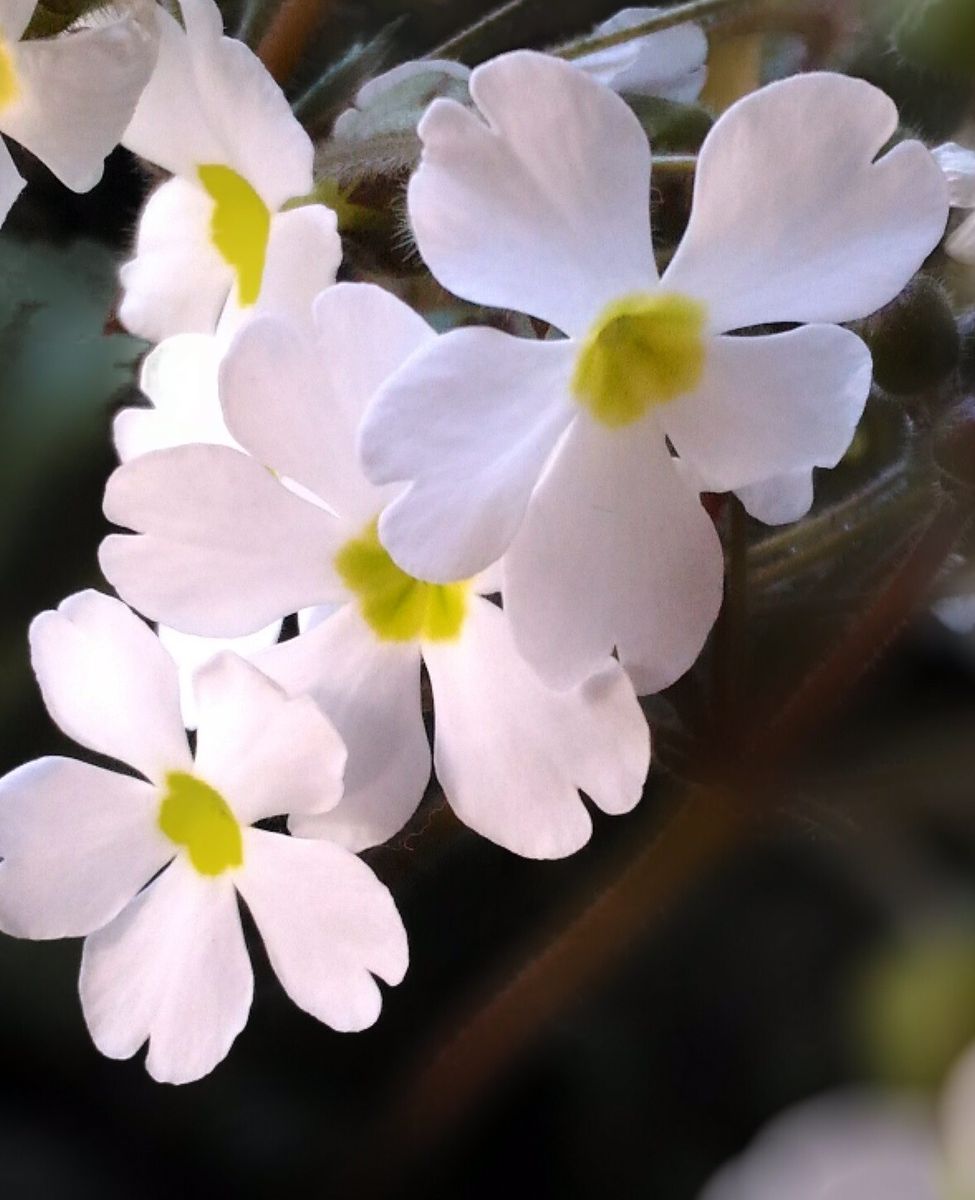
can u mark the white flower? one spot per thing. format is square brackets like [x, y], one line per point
[958, 164]
[149, 868]
[669, 64]
[227, 545]
[213, 117]
[862, 1146]
[179, 379]
[68, 99]
[555, 453]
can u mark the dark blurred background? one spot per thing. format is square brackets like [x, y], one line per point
[768, 934]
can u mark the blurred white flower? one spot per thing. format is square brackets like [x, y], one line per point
[557, 454]
[148, 868]
[958, 164]
[868, 1145]
[225, 545]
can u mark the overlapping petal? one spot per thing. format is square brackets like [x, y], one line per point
[781, 500]
[791, 222]
[541, 203]
[221, 548]
[190, 652]
[371, 692]
[15, 16]
[319, 390]
[264, 752]
[177, 282]
[304, 252]
[615, 551]
[76, 95]
[770, 406]
[669, 64]
[12, 183]
[512, 755]
[109, 684]
[171, 968]
[76, 844]
[469, 423]
[328, 924]
[180, 378]
[211, 100]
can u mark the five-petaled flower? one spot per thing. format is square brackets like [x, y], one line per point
[149, 868]
[558, 453]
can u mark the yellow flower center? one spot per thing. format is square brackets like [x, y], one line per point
[196, 817]
[397, 607]
[239, 227]
[9, 79]
[643, 350]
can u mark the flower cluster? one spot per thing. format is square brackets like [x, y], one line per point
[519, 517]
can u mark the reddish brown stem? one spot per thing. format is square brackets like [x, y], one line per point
[291, 28]
[712, 822]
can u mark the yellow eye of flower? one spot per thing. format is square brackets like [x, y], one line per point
[9, 79]
[239, 227]
[643, 350]
[397, 607]
[195, 816]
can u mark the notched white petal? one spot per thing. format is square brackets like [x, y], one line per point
[328, 923]
[541, 203]
[512, 754]
[791, 223]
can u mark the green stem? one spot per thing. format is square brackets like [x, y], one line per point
[693, 10]
[454, 46]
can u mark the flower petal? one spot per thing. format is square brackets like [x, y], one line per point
[469, 423]
[190, 652]
[211, 100]
[265, 753]
[669, 64]
[371, 691]
[173, 968]
[77, 843]
[12, 182]
[169, 126]
[15, 16]
[544, 205]
[961, 243]
[770, 406]
[319, 390]
[512, 754]
[177, 282]
[615, 550]
[790, 224]
[223, 549]
[328, 924]
[779, 501]
[846, 1146]
[180, 378]
[304, 252]
[109, 684]
[958, 164]
[77, 93]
